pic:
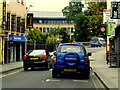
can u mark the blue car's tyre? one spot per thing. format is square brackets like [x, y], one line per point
[54, 73]
[86, 74]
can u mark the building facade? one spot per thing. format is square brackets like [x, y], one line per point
[46, 21]
[113, 40]
[14, 24]
[1, 33]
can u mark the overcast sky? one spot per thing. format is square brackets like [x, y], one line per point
[47, 5]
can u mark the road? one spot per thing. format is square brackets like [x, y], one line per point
[40, 78]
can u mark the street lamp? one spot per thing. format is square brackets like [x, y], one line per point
[28, 8]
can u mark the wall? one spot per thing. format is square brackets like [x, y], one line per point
[1, 46]
[17, 8]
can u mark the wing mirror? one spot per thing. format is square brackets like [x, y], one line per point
[51, 55]
[89, 54]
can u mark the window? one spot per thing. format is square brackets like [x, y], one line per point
[72, 31]
[13, 22]
[40, 21]
[37, 52]
[67, 48]
[23, 26]
[18, 24]
[8, 21]
[44, 30]
[40, 29]
[69, 31]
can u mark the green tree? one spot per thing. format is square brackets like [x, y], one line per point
[81, 33]
[74, 12]
[63, 34]
[71, 11]
[53, 39]
[94, 14]
[37, 36]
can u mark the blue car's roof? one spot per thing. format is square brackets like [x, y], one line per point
[71, 44]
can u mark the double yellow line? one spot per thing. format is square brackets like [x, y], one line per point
[11, 73]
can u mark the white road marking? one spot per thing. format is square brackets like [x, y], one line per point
[52, 80]
[80, 80]
[55, 80]
[50, 69]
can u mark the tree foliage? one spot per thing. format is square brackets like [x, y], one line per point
[95, 8]
[81, 32]
[71, 11]
[94, 14]
[63, 34]
[53, 39]
[74, 12]
[54, 36]
[37, 36]
[86, 22]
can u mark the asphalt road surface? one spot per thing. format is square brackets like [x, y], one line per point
[41, 78]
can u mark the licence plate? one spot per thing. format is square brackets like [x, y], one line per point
[34, 58]
[73, 70]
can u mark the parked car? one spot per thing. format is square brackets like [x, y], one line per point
[97, 42]
[71, 58]
[37, 58]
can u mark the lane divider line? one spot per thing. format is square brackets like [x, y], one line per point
[11, 73]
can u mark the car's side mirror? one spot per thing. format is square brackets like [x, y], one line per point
[51, 55]
[89, 54]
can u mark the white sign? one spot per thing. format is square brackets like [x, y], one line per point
[106, 17]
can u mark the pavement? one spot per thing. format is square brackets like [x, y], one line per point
[108, 75]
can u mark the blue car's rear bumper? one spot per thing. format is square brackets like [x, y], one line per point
[71, 67]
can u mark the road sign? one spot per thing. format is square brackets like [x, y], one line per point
[115, 10]
[102, 29]
[106, 17]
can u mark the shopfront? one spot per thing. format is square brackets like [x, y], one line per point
[16, 47]
[115, 43]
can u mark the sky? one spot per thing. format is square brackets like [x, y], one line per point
[47, 5]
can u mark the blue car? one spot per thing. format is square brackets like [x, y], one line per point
[97, 42]
[71, 58]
